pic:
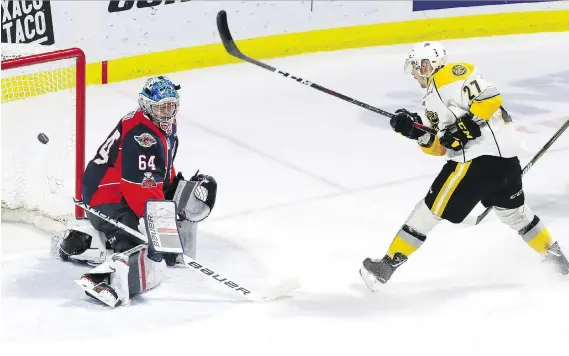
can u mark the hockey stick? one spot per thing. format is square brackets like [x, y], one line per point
[141, 237]
[479, 218]
[272, 293]
[232, 49]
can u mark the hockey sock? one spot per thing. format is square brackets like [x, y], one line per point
[407, 241]
[536, 236]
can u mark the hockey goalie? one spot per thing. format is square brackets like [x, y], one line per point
[132, 180]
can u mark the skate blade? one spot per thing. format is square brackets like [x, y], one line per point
[371, 282]
[87, 289]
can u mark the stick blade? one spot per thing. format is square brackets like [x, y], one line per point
[225, 34]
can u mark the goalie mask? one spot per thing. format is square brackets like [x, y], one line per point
[159, 100]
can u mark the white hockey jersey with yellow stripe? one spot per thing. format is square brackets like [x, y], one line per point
[456, 89]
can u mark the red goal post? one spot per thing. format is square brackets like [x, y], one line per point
[15, 89]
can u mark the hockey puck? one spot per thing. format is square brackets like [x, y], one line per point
[43, 138]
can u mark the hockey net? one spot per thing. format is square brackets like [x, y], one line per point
[43, 91]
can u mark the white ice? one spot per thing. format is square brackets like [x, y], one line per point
[310, 185]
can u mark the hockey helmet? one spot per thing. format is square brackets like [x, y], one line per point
[428, 52]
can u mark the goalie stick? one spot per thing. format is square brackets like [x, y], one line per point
[476, 220]
[275, 292]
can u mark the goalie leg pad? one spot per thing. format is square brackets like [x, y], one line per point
[108, 282]
[122, 276]
[144, 273]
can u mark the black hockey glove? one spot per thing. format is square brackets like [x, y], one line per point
[170, 189]
[403, 121]
[457, 136]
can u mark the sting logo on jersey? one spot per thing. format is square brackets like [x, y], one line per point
[148, 181]
[459, 70]
[433, 118]
[145, 140]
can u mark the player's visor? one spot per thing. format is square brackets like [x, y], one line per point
[409, 65]
[165, 108]
[413, 64]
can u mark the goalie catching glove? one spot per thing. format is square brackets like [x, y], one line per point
[195, 198]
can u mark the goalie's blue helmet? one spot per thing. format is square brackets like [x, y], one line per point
[159, 100]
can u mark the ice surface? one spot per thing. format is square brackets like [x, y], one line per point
[311, 185]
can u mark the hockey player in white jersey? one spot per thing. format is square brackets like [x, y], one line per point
[474, 131]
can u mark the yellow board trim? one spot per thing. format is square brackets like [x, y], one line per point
[333, 39]
[93, 73]
[486, 108]
[340, 38]
[400, 245]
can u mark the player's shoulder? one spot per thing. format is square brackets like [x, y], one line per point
[138, 128]
[452, 73]
[136, 123]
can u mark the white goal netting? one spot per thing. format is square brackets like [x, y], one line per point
[38, 180]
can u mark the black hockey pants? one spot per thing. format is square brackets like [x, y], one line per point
[118, 239]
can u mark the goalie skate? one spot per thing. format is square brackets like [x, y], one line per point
[100, 291]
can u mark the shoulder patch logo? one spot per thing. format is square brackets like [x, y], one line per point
[459, 69]
[148, 181]
[145, 140]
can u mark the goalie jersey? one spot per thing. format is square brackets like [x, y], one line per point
[453, 91]
[132, 165]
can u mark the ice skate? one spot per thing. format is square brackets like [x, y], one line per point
[377, 272]
[557, 259]
[96, 286]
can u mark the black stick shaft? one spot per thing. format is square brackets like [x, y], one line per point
[232, 49]
[143, 239]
